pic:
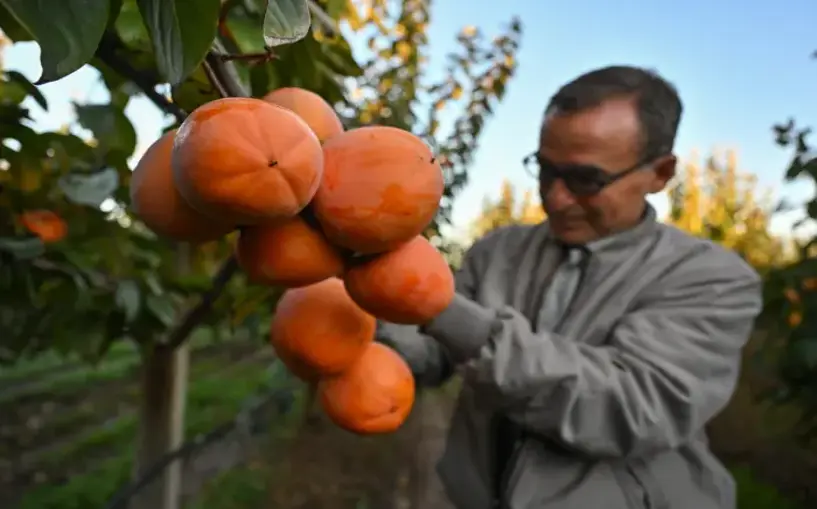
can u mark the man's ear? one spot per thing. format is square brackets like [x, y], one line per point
[664, 169]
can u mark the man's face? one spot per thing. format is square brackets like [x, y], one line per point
[606, 138]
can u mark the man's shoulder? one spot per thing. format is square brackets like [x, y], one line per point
[507, 236]
[701, 256]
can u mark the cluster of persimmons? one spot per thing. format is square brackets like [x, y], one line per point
[334, 216]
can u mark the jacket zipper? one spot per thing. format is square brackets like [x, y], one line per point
[646, 498]
[493, 472]
[517, 448]
[509, 468]
[500, 479]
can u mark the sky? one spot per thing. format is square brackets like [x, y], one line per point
[739, 66]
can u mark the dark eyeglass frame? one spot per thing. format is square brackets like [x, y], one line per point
[580, 179]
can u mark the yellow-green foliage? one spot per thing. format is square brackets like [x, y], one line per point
[505, 210]
[716, 200]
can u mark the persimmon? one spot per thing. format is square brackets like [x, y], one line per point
[290, 254]
[297, 367]
[246, 161]
[317, 330]
[157, 202]
[409, 285]
[374, 395]
[312, 108]
[49, 226]
[381, 187]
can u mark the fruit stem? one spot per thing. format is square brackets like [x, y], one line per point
[261, 57]
[220, 77]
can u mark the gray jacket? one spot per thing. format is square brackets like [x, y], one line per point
[613, 403]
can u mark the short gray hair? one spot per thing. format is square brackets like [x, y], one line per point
[659, 106]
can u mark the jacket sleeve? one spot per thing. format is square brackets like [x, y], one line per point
[429, 360]
[669, 367]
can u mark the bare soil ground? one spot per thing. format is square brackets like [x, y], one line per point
[326, 468]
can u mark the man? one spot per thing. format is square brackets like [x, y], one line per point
[596, 346]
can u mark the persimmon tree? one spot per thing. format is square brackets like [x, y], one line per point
[79, 272]
[717, 201]
[506, 209]
[790, 315]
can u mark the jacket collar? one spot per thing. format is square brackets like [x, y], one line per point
[621, 240]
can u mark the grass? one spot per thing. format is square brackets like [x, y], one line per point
[215, 395]
[122, 359]
[241, 488]
[66, 409]
[247, 487]
[208, 398]
[42, 365]
[99, 460]
[71, 381]
[211, 401]
[754, 494]
[215, 400]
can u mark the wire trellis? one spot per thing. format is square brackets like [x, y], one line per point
[250, 421]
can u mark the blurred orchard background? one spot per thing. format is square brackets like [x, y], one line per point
[90, 395]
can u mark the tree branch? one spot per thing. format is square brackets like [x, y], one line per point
[146, 83]
[220, 76]
[211, 75]
[227, 85]
[199, 312]
[250, 58]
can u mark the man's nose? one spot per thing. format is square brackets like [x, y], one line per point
[559, 197]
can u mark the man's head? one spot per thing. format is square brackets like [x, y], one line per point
[606, 142]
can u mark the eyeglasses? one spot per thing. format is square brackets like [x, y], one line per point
[580, 179]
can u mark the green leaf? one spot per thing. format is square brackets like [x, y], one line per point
[33, 91]
[33, 144]
[194, 91]
[181, 32]
[246, 32]
[811, 209]
[286, 21]
[162, 308]
[128, 299]
[22, 248]
[112, 129]
[130, 27]
[297, 65]
[68, 149]
[68, 34]
[11, 27]
[339, 59]
[11, 94]
[113, 14]
[261, 80]
[89, 188]
[804, 353]
[113, 331]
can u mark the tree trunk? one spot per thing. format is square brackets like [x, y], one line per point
[164, 391]
[164, 398]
